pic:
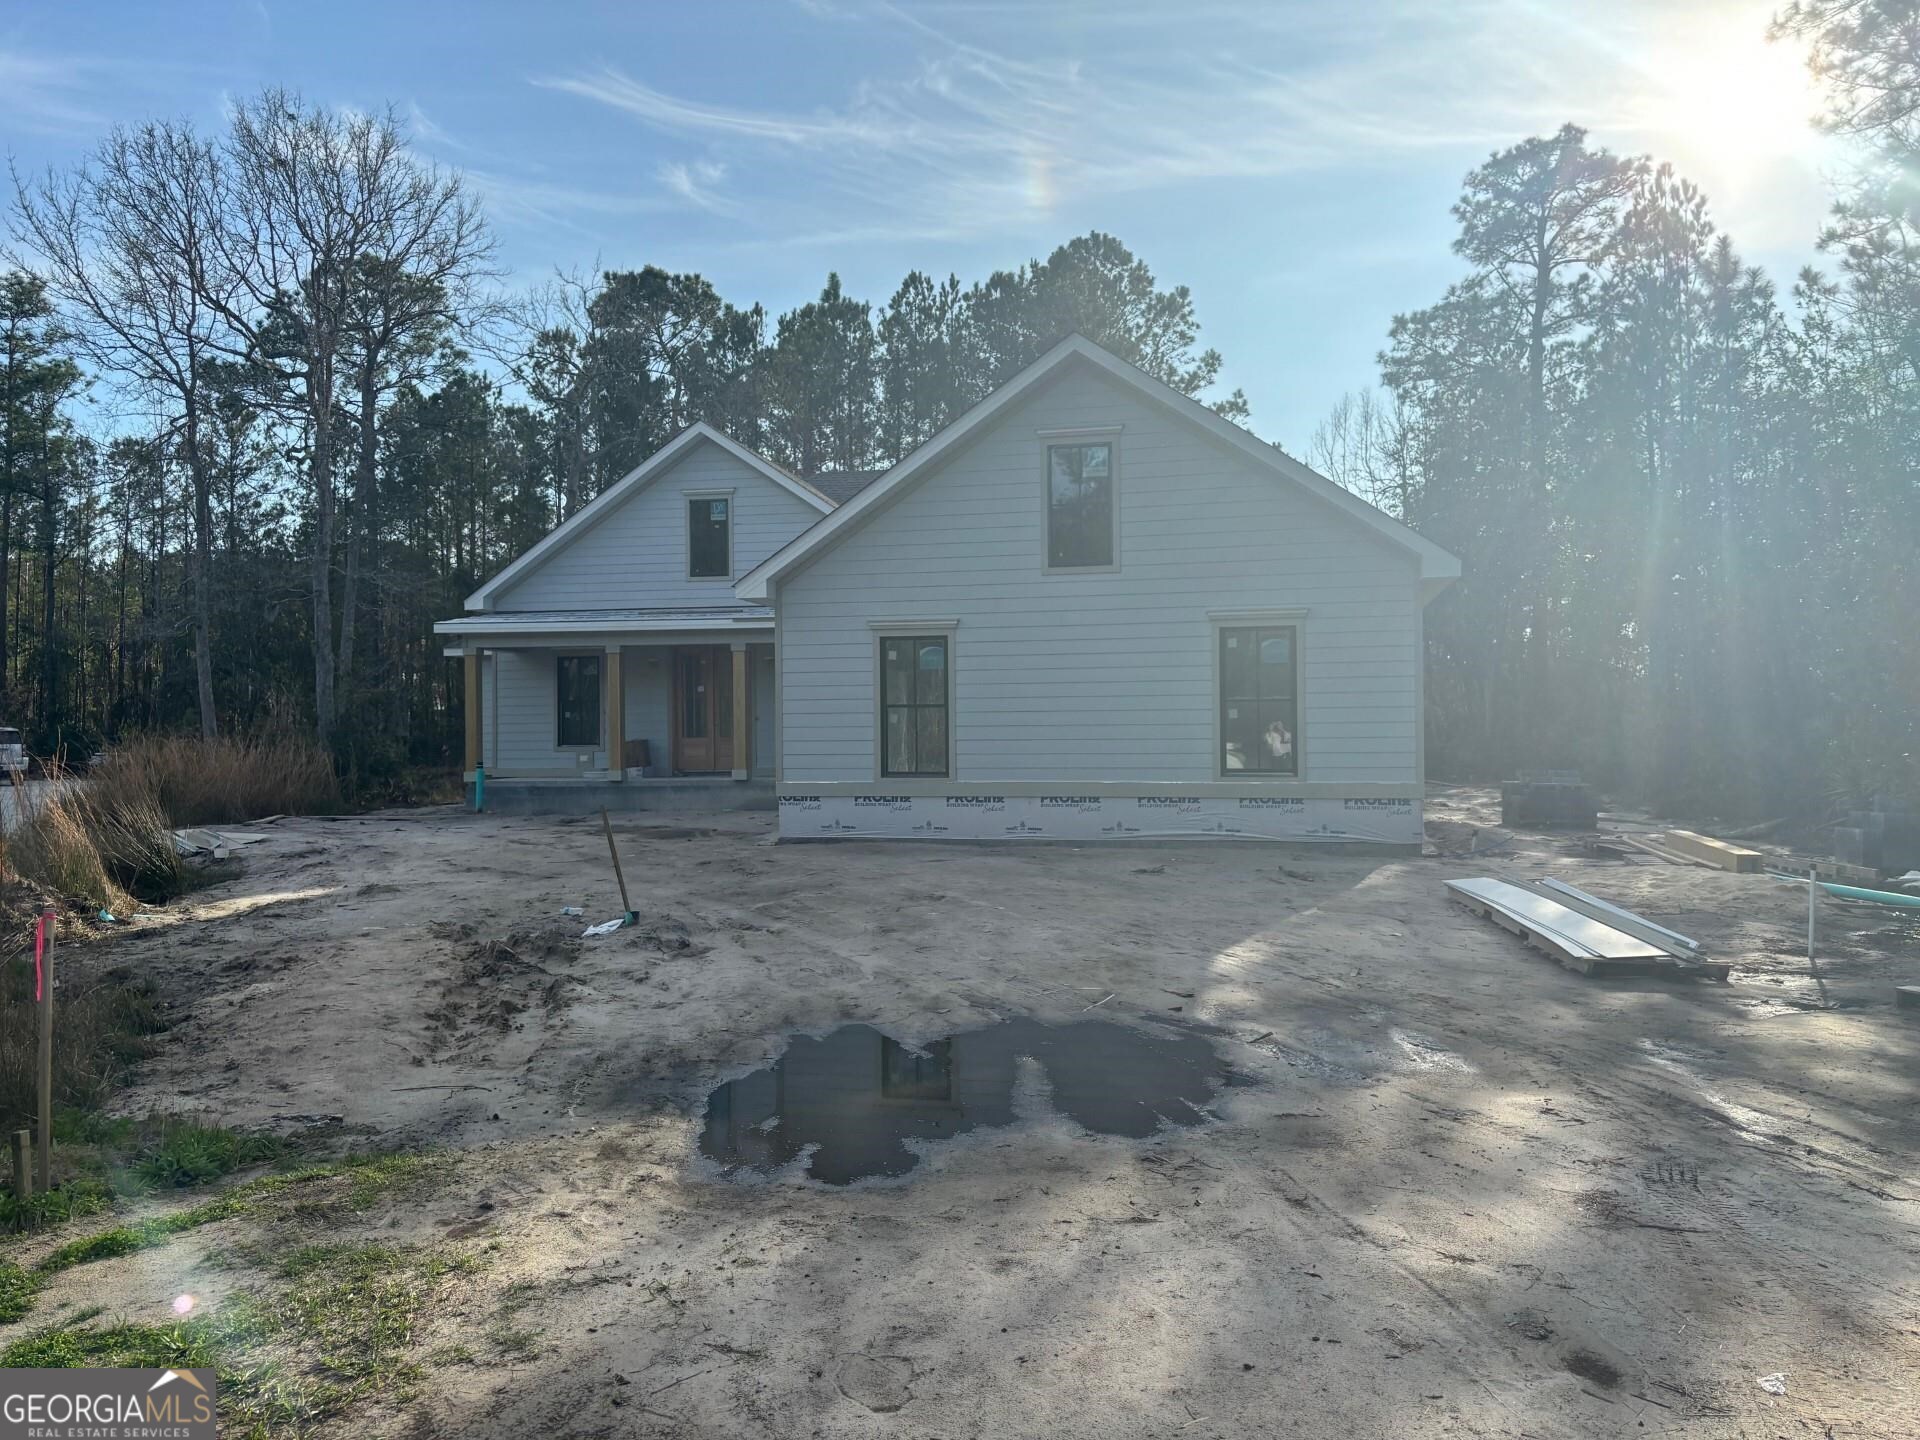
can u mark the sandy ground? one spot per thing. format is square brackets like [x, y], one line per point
[1470, 1194]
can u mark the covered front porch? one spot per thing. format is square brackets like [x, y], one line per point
[657, 700]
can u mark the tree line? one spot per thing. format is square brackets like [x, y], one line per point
[1688, 509]
[268, 410]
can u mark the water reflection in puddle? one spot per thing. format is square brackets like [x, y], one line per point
[857, 1096]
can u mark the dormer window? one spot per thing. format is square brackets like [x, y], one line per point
[1081, 513]
[710, 537]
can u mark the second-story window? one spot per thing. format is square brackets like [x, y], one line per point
[710, 538]
[1080, 512]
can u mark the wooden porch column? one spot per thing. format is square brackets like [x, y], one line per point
[742, 728]
[470, 668]
[616, 692]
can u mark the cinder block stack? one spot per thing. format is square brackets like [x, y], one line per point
[1548, 798]
[1884, 837]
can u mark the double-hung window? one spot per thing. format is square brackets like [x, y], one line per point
[1080, 507]
[915, 705]
[1260, 700]
[578, 684]
[709, 537]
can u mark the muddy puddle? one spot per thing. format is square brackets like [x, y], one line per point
[857, 1103]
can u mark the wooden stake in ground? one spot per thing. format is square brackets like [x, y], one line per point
[22, 1145]
[43, 992]
[626, 905]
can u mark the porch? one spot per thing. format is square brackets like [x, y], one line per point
[660, 701]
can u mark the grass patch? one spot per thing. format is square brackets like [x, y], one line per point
[104, 847]
[187, 1153]
[70, 1200]
[336, 1330]
[105, 1026]
[314, 1192]
[106, 840]
[122, 1157]
[222, 781]
[17, 1289]
[359, 1304]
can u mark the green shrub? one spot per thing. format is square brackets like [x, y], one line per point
[70, 1200]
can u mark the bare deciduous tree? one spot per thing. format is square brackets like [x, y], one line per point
[327, 202]
[126, 242]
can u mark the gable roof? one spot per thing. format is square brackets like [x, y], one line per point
[639, 477]
[1436, 564]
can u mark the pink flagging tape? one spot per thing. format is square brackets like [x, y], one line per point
[42, 932]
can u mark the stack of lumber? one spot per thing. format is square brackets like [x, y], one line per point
[1584, 932]
[1684, 847]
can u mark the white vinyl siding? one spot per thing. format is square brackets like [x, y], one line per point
[523, 713]
[1105, 675]
[636, 556]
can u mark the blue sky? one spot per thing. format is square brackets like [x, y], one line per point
[1292, 163]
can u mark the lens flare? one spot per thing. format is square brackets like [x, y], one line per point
[182, 1304]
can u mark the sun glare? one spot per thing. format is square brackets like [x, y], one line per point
[1722, 97]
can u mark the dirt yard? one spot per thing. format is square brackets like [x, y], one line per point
[1469, 1193]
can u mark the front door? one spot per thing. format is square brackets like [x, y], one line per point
[702, 709]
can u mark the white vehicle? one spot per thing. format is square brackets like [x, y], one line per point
[13, 755]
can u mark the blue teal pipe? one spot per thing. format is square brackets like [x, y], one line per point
[1878, 897]
[479, 788]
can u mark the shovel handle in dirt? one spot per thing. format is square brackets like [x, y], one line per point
[626, 905]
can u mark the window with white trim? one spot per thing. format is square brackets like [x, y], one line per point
[1080, 506]
[1260, 700]
[577, 686]
[915, 705]
[710, 537]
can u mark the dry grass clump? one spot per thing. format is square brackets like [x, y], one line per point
[102, 1026]
[106, 848]
[106, 839]
[221, 781]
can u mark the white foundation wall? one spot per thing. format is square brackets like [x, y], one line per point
[1066, 679]
[636, 556]
[1362, 820]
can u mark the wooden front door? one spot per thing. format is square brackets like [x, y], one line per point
[702, 709]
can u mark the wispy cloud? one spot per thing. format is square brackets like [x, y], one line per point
[50, 94]
[978, 115]
[966, 135]
[698, 183]
[610, 87]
